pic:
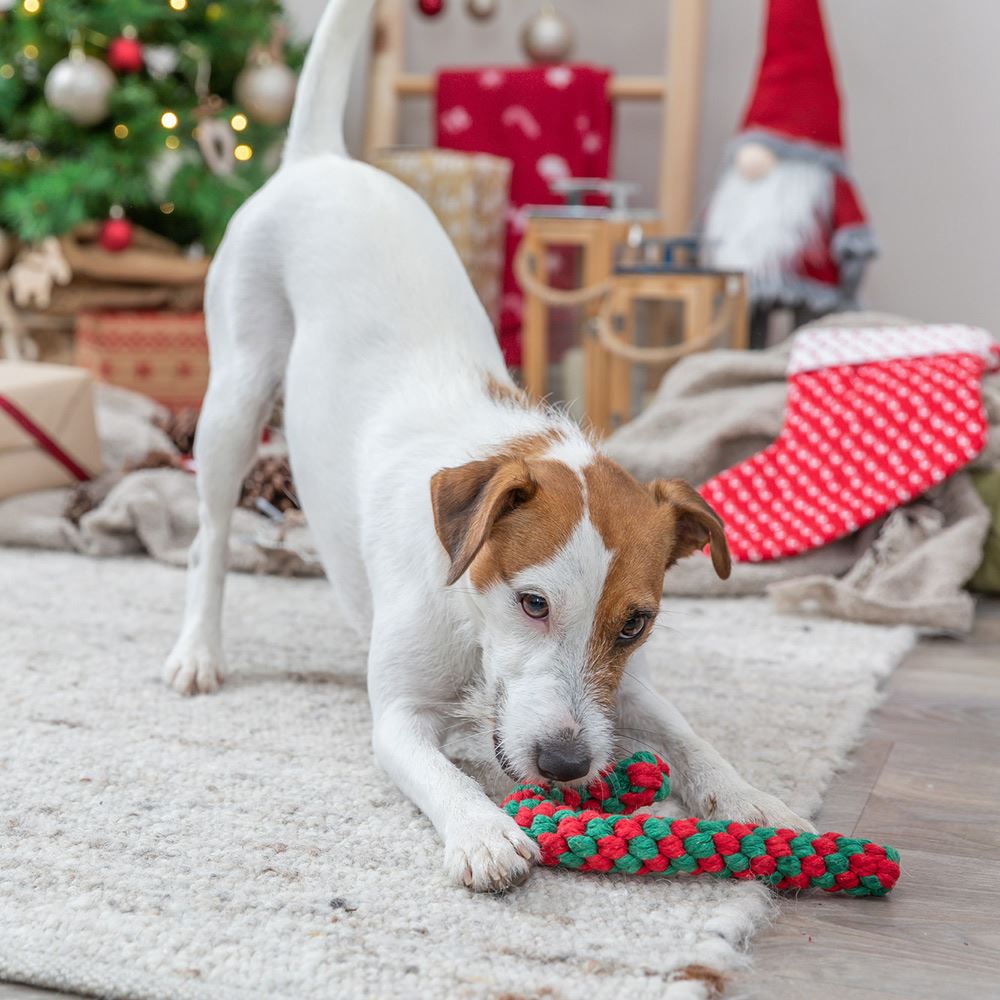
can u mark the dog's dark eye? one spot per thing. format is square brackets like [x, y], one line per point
[633, 628]
[535, 606]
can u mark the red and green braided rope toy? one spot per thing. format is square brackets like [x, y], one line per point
[596, 829]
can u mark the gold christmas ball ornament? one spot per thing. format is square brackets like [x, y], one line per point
[481, 10]
[267, 90]
[79, 87]
[548, 36]
[754, 160]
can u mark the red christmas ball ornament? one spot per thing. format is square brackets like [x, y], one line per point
[125, 55]
[116, 235]
[430, 8]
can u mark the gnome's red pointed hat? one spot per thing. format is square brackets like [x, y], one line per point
[794, 110]
[795, 104]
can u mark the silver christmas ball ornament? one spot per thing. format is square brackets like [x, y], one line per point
[481, 10]
[79, 86]
[266, 90]
[161, 60]
[548, 36]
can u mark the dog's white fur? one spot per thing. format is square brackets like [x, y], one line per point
[337, 280]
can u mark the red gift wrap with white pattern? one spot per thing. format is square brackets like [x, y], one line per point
[552, 122]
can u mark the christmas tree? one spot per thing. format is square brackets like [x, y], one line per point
[168, 113]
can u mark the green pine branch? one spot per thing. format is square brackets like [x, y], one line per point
[54, 198]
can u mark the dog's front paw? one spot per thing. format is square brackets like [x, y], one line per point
[489, 852]
[746, 804]
[194, 666]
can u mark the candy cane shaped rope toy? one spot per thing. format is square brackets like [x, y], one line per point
[595, 828]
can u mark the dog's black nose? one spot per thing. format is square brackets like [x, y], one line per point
[562, 760]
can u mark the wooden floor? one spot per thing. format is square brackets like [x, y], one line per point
[926, 779]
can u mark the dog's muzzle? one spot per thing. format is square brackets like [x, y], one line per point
[502, 759]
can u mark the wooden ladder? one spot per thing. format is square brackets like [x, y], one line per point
[678, 90]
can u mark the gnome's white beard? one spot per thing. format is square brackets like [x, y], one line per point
[766, 226]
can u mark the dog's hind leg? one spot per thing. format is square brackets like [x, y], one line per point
[250, 332]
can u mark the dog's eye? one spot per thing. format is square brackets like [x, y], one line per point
[535, 606]
[633, 628]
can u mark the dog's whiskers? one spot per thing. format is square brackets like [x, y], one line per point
[632, 745]
[641, 683]
[641, 732]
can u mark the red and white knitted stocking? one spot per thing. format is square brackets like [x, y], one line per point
[875, 417]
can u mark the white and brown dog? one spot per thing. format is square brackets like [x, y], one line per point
[484, 542]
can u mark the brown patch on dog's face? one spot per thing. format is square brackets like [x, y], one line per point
[533, 532]
[646, 529]
[637, 533]
[531, 445]
[507, 512]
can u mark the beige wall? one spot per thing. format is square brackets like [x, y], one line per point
[921, 81]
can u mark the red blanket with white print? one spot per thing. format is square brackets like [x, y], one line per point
[550, 121]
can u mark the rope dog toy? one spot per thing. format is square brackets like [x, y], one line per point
[595, 828]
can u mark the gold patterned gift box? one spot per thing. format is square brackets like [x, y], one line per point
[469, 193]
[161, 354]
[48, 433]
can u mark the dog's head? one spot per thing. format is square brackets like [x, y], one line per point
[564, 555]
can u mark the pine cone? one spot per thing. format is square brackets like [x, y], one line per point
[271, 480]
[180, 428]
[81, 501]
[156, 459]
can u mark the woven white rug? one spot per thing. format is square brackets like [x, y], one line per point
[245, 845]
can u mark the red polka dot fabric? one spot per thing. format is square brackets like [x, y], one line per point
[859, 439]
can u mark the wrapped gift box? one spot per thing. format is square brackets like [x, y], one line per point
[163, 355]
[469, 193]
[48, 435]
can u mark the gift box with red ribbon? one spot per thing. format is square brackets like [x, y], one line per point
[48, 433]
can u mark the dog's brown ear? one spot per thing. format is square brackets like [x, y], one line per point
[468, 500]
[696, 523]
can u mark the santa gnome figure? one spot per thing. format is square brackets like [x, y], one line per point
[785, 210]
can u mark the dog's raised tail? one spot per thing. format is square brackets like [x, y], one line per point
[317, 124]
